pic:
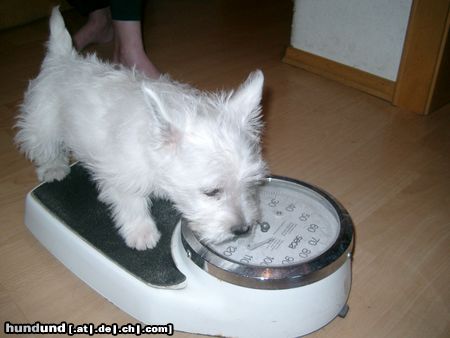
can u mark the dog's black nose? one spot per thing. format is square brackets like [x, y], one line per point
[240, 229]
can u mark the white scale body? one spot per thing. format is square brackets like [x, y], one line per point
[288, 295]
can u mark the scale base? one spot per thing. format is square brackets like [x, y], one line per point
[197, 302]
[344, 311]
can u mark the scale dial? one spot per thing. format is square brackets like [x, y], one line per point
[304, 235]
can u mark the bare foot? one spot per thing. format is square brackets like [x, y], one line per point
[129, 49]
[138, 59]
[98, 29]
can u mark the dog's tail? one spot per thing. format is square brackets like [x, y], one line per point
[60, 42]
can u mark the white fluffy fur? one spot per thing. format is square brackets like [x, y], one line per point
[141, 137]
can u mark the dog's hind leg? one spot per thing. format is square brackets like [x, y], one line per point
[54, 169]
[40, 137]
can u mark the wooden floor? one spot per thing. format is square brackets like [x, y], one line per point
[390, 168]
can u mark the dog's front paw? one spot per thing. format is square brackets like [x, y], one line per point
[142, 238]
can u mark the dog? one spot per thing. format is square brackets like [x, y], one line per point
[141, 137]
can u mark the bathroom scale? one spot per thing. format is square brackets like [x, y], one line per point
[288, 276]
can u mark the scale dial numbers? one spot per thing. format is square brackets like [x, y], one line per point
[302, 236]
[296, 226]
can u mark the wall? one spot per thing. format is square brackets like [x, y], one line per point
[364, 34]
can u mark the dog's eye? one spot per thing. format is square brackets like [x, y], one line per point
[213, 192]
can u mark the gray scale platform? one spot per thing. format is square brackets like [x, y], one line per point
[74, 201]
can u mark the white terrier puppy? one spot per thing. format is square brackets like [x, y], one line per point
[141, 137]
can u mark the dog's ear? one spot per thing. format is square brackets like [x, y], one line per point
[244, 103]
[168, 130]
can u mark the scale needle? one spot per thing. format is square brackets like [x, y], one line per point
[257, 245]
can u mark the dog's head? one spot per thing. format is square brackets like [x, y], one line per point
[212, 155]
